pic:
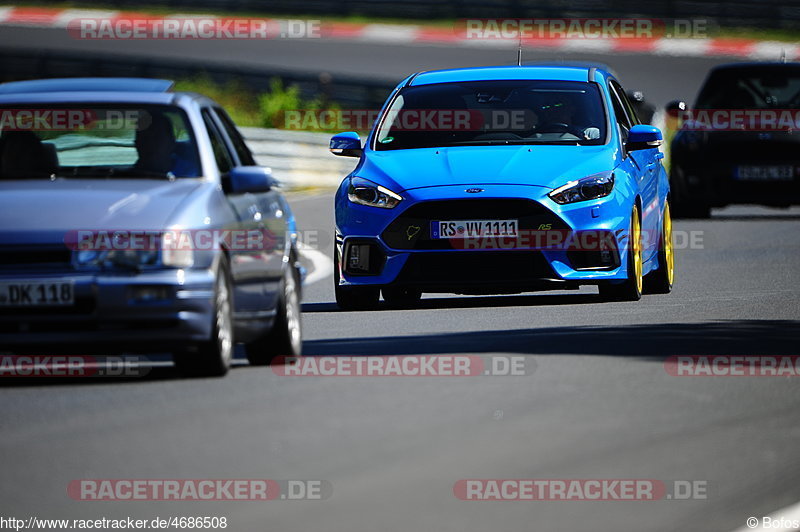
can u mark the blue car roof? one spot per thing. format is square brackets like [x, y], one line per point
[533, 72]
[87, 85]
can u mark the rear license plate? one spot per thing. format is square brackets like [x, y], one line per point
[37, 294]
[473, 228]
[765, 173]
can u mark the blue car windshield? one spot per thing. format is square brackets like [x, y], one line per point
[479, 113]
[88, 140]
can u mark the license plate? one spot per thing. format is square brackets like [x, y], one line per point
[37, 294]
[473, 228]
[765, 173]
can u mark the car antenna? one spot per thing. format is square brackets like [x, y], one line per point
[519, 51]
[783, 55]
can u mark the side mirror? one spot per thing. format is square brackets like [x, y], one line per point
[346, 144]
[242, 179]
[643, 137]
[676, 108]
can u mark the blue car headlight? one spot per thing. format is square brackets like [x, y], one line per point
[588, 188]
[364, 192]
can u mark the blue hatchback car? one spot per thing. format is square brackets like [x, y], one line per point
[503, 180]
[134, 218]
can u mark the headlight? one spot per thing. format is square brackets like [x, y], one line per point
[124, 252]
[588, 188]
[368, 193]
[116, 258]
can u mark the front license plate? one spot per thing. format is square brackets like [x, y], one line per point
[37, 294]
[765, 173]
[473, 228]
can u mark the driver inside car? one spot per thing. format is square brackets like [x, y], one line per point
[159, 152]
[558, 116]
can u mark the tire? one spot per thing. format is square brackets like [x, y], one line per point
[213, 357]
[660, 280]
[285, 338]
[353, 297]
[631, 288]
[401, 297]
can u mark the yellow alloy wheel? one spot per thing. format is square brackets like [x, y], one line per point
[636, 242]
[668, 245]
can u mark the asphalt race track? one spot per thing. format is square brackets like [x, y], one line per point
[662, 78]
[597, 403]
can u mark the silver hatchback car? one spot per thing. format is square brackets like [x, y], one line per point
[134, 219]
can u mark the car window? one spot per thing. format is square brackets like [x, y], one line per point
[493, 112]
[626, 103]
[239, 145]
[772, 87]
[623, 122]
[221, 155]
[96, 141]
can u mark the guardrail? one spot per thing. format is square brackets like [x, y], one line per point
[347, 91]
[298, 158]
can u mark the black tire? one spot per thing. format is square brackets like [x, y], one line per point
[213, 357]
[660, 280]
[631, 288]
[285, 338]
[353, 297]
[401, 296]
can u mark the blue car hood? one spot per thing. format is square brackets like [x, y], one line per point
[34, 211]
[545, 166]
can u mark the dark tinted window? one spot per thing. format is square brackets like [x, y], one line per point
[775, 87]
[221, 154]
[620, 113]
[242, 151]
[626, 103]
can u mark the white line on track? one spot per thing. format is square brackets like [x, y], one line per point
[322, 265]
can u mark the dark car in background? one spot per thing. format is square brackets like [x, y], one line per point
[134, 219]
[740, 143]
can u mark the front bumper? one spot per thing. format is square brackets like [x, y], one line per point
[405, 254]
[108, 316]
